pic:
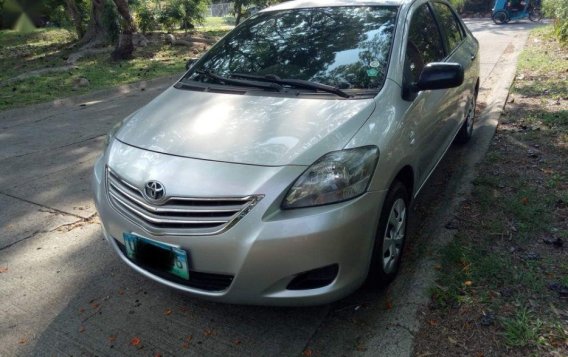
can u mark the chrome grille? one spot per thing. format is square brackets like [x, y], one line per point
[177, 215]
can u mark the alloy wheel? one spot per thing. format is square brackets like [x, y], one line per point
[394, 235]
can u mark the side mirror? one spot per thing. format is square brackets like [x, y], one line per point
[440, 75]
[190, 63]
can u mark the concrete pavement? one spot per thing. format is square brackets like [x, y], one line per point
[64, 291]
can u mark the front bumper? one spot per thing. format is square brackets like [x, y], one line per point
[267, 248]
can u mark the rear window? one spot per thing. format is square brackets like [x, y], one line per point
[451, 28]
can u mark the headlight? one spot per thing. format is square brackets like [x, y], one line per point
[335, 177]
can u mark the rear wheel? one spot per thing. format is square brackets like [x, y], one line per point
[466, 131]
[390, 237]
[500, 17]
[535, 15]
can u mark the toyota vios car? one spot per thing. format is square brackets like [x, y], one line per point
[280, 168]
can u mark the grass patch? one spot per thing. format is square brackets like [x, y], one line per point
[45, 48]
[502, 279]
[523, 329]
[215, 24]
[544, 66]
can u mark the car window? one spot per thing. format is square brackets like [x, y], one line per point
[453, 33]
[424, 43]
[347, 47]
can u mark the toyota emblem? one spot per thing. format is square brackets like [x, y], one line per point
[154, 191]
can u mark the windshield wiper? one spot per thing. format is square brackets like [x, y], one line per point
[239, 82]
[272, 78]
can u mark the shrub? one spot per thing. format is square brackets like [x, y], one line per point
[146, 17]
[558, 10]
[182, 14]
[458, 4]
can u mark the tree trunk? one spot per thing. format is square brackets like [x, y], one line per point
[75, 16]
[2, 2]
[238, 12]
[124, 11]
[96, 33]
[124, 47]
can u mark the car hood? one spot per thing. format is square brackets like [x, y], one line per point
[246, 129]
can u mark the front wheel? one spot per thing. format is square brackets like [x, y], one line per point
[535, 15]
[500, 17]
[390, 237]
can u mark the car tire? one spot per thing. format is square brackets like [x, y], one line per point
[390, 237]
[466, 131]
[500, 17]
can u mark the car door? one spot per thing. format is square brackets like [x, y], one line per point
[427, 111]
[453, 36]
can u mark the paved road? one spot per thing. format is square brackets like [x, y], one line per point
[65, 292]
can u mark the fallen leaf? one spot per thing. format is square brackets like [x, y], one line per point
[308, 352]
[237, 341]
[208, 332]
[111, 338]
[3, 269]
[81, 310]
[468, 283]
[452, 341]
[82, 329]
[433, 322]
[167, 312]
[22, 341]
[157, 354]
[95, 305]
[135, 341]
[525, 201]
[438, 267]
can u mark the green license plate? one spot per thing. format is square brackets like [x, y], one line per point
[156, 255]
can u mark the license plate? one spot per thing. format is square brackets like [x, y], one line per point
[156, 255]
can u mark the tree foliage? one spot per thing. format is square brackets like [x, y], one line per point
[182, 14]
[240, 7]
[558, 10]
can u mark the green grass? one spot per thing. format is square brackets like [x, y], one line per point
[217, 23]
[21, 52]
[514, 204]
[542, 67]
[44, 48]
[523, 329]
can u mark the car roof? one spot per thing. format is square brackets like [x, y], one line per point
[302, 4]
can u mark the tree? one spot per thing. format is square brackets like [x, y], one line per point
[240, 5]
[191, 11]
[96, 33]
[124, 47]
[2, 2]
[76, 17]
[184, 13]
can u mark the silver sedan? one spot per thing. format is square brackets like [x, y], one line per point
[280, 168]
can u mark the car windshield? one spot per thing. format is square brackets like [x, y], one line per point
[344, 47]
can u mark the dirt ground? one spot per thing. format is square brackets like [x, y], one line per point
[502, 288]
